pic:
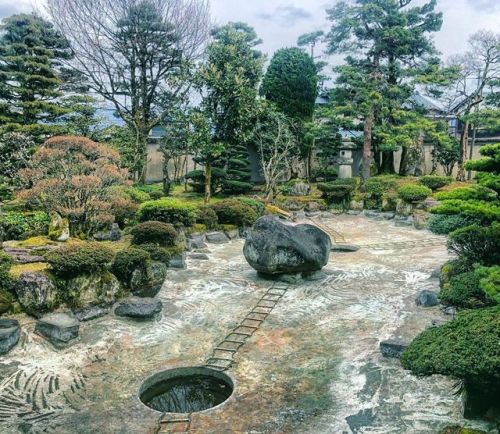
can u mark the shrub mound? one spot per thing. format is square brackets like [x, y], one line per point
[77, 259]
[465, 291]
[127, 261]
[443, 224]
[257, 205]
[157, 253]
[206, 216]
[22, 225]
[413, 192]
[477, 244]
[234, 212]
[474, 192]
[168, 210]
[338, 191]
[154, 232]
[434, 181]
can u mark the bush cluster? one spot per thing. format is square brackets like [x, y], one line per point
[379, 185]
[257, 205]
[465, 291]
[168, 210]
[154, 232]
[338, 191]
[413, 192]
[16, 225]
[473, 192]
[234, 212]
[127, 261]
[489, 281]
[74, 260]
[206, 216]
[477, 244]
[434, 182]
[443, 224]
[157, 253]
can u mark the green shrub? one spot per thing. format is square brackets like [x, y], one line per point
[474, 192]
[379, 185]
[232, 187]
[137, 195]
[325, 174]
[257, 205]
[413, 192]
[434, 182]
[156, 194]
[127, 261]
[154, 232]
[234, 212]
[197, 178]
[443, 224]
[157, 253]
[476, 244]
[335, 192]
[22, 225]
[5, 265]
[465, 348]
[74, 260]
[6, 301]
[453, 268]
[490, 281]
[206, 216]
[168, 210]
[465, 291]
[486, 211]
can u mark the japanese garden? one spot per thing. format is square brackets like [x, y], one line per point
[204, 231]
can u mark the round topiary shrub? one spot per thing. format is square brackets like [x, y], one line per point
[206, 216]
[336, 191]
[168, 210]
[77, 259]
[465, 291]
[443, 224]
[477, 244]
[257, 205]
[472, 192]
[127, 261]
[414, 193]
[465, 348]
[157, 253]
[154, 232]
[434, 181]
[234, 212]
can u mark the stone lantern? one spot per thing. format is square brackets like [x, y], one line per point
[345, 159]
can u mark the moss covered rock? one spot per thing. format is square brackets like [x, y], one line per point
[90, 289]
[147, 281]
[58, 228]
[37, 292]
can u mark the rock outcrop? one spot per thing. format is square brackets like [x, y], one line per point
[58, 328]
[93, 289]
[10, 331]
[147, 282]
[36, 292]
[273, 247]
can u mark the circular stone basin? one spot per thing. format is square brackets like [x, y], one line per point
[186, 390]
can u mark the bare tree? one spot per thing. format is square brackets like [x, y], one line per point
[277, 148]
[134, 53]
[478, 67]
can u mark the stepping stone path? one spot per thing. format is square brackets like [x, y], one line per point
[23, 256]
[393, 348]
[199, 256]
[139, 308]
[91, 312]
[344, 247]
[10, 331]
[58, 328]
[427, 298]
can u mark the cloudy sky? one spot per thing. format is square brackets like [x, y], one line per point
[280, 22]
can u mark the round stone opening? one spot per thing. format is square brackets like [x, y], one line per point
[186, 390]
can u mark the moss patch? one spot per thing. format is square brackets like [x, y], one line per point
[17, 269]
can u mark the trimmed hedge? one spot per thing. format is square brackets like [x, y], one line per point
[443, 224]
[127, 261]
[477, 244]
[78, 259]
[434, 181]
[486, 211]
[465, 348]
[157, 253]
[413, 192]
[465, 291]
[234, 212]
[474, 192]
[168, 210]
[154, 232]
[379, 185]
[490, 281]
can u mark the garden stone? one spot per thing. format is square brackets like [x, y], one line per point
[114, 234]
[217, 238]
[178, 261]
[232, 234]
[36, 292]
[403, 221]
[393, 348]
[196, 241]
[356, 206]
[23, 256]
[450, 310]
[427, 298]
[377, 215]
[420, 219]
[404, 209]
[199, 256]
[10, 331]
[148, 282]
[274, 247]
[90, 313]
[139, 308]
[343, 247]
[94, 289]
[58, 228]
[436, 273]
[313, 207]
[300, 189]
[313, 214]
[58, 328]
[354, 212]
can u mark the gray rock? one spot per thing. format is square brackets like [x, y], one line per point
[114, 234]
[58, 328]
[435, 323]
[178, 261]
[300, 189]
[58, 228]
[343, 247]
[10, 331]
[274, 247]
[90, 313]
[36, 292]
[139, 308]
[217, 237]
[94, 289]
[23, 256]
[393, 348]
[196, 241]
[232, 234]
[403, 221]
[450, 310]
[199, 256]
[353, 212]
[148, 282]
[427, 298]
[377, 215]
[436, 273]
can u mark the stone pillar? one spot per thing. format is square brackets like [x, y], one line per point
[345, 159]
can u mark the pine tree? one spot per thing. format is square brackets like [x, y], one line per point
[30, 53]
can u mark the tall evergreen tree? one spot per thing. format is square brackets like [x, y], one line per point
[30, 53]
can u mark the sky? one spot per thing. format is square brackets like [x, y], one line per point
[280, 22]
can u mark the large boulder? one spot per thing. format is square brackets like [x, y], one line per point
[114, 234]
[9, 334]
[58, 328]
[58, 228]
[93, 289]
[273, 247]
[139, 308]
[147, 282]
[36, 292]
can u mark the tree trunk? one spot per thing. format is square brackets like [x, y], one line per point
[471, 150]
[403, 166]
[208, 182]
[142, 154]
[367, 145]
[464, 141]
[387, 165]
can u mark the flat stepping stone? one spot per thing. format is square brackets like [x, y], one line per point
[178, 261]
[217, 238]
[139, 308]
[343, 248]
[91, 313]
[199, 256]
[10, 331]
[58, 328]
[427, 298]
[393, 348]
